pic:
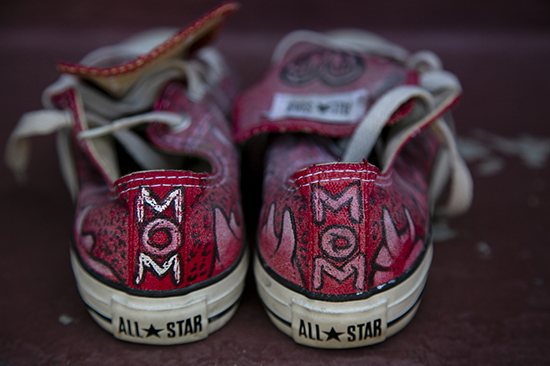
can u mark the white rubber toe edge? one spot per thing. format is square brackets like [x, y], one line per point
[343, 324]
[162, 320]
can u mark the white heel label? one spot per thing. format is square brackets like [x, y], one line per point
[173, 325]
[318, 327]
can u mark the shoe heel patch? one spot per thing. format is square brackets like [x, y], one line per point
[324, 328]
[169, 325]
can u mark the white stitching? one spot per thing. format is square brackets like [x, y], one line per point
[163, 185]
[333, 171]
[330, 180]
[378, 177]
[119, 185]
[160, 177]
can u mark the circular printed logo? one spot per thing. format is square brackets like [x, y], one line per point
[333, 68]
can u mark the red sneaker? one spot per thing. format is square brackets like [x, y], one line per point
[148, 155]
[363, 150]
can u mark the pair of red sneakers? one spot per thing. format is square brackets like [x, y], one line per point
[360, 149]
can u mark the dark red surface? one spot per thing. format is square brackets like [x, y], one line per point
[480, 306]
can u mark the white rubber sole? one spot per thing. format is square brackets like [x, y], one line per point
[345, 324]
[162, 320]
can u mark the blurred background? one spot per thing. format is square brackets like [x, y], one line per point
[487, 300]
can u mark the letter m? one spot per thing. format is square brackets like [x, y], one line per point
[158, 269]
[350, 197]
[146, 197]
[356, 268]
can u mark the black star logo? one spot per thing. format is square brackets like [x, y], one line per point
[152, 331]
[333, 334]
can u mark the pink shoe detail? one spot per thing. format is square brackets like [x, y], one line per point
[281, 244]
[227, 232]
[392, 253]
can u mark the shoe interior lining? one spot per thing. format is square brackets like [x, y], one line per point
[194, 163]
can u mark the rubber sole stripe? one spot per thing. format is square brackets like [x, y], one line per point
[210, 320]
[390, 324]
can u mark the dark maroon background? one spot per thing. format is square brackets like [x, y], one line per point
[479, 307]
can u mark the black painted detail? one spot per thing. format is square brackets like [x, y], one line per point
[311, 331]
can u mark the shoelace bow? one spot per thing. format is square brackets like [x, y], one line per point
[99, 109]
[437, 91]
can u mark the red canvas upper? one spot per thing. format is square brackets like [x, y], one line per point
[343, 228]
[312, 69]
[199, 220]
[161, 231]
[330, 229]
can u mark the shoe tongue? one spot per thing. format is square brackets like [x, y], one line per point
[315, 89]
[118, 79]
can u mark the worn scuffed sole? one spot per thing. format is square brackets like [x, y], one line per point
[346, 324]
[162, 320]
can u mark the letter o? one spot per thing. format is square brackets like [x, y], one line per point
[338, 242]
[160, 226]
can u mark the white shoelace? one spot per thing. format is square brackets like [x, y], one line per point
[437, 90]
[103, 117]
